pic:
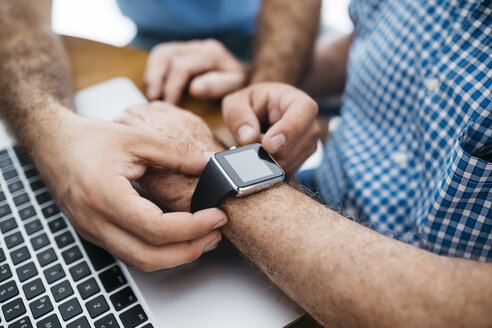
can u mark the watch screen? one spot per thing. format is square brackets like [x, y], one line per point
[248, 166]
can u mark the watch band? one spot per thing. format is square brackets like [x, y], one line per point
[211, 189]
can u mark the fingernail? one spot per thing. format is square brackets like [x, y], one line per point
[220, 224]
[211, 247]
[245, 132]
[277, 142]
[213, 244]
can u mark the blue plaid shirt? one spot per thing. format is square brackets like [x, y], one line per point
[417, 106]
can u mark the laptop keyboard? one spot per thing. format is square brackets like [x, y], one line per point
[49, 276]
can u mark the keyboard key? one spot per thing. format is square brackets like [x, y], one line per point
[8, 290]
[50, 210]
[123, 298]
[70, 309]
[37, 184]
[16, 186]
[43, 197]
[21, 199]
[32, 172]
[14, 239]
[88, 288]
[2, 196]
[61, 290]
[133, 317]
[80, 271]
[54, 273]
[26, 271]
[27, 212]
[108, 321]
[97, 306]
[64, 239]
[4, 162]
[33, 226]
[79, 323]
[8, 225]
[5, 272]
[21, 323]
[13, 309]
[40, 241]
[149, 325]
[22, 155]
[20, 255]
[40, 307]
[112, 279]
[5, 210]
[71, 255]
[10, 174]
[46, 257]
[57, 224]
[33, 288]
[4, 153]
[49, 322]
[2, 256]
[98, 256]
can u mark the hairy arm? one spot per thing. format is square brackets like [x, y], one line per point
[342, 273]
[35, 80]
[347, 275]
[287, 30]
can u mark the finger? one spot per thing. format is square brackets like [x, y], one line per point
[146, 220]
[147, 257]
[216, 84]
[299, 115]
[180, 72]
[155, 74]
[293, 155]
[168, 153]
[240, 118]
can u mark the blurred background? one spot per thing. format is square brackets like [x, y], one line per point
[102, 21]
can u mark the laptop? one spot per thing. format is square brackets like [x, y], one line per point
[50, 277]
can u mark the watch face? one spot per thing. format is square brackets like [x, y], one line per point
[249, 165]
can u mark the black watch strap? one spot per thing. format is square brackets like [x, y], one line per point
[211, 189]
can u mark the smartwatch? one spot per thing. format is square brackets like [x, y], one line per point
[235, 172]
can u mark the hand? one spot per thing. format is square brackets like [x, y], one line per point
[89, 165]
[183, 126]
[288, 113]
[209, 67]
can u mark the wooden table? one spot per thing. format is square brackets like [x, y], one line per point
[94, 62]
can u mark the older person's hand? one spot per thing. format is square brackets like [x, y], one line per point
[209, 68]
[182, 126]
[287, 114]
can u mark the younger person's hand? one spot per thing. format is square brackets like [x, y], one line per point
[89, 166]
[288, 114]
[209, 68]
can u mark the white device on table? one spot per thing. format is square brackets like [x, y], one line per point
[75, 285]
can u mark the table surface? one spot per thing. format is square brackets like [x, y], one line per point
[93, 62]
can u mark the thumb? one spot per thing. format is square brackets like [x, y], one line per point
[240, 118]
[170, 154]
[216, 84]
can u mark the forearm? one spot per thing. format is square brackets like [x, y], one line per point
[287, 30]
[35, 78]
[329, 70]
[347, 275]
